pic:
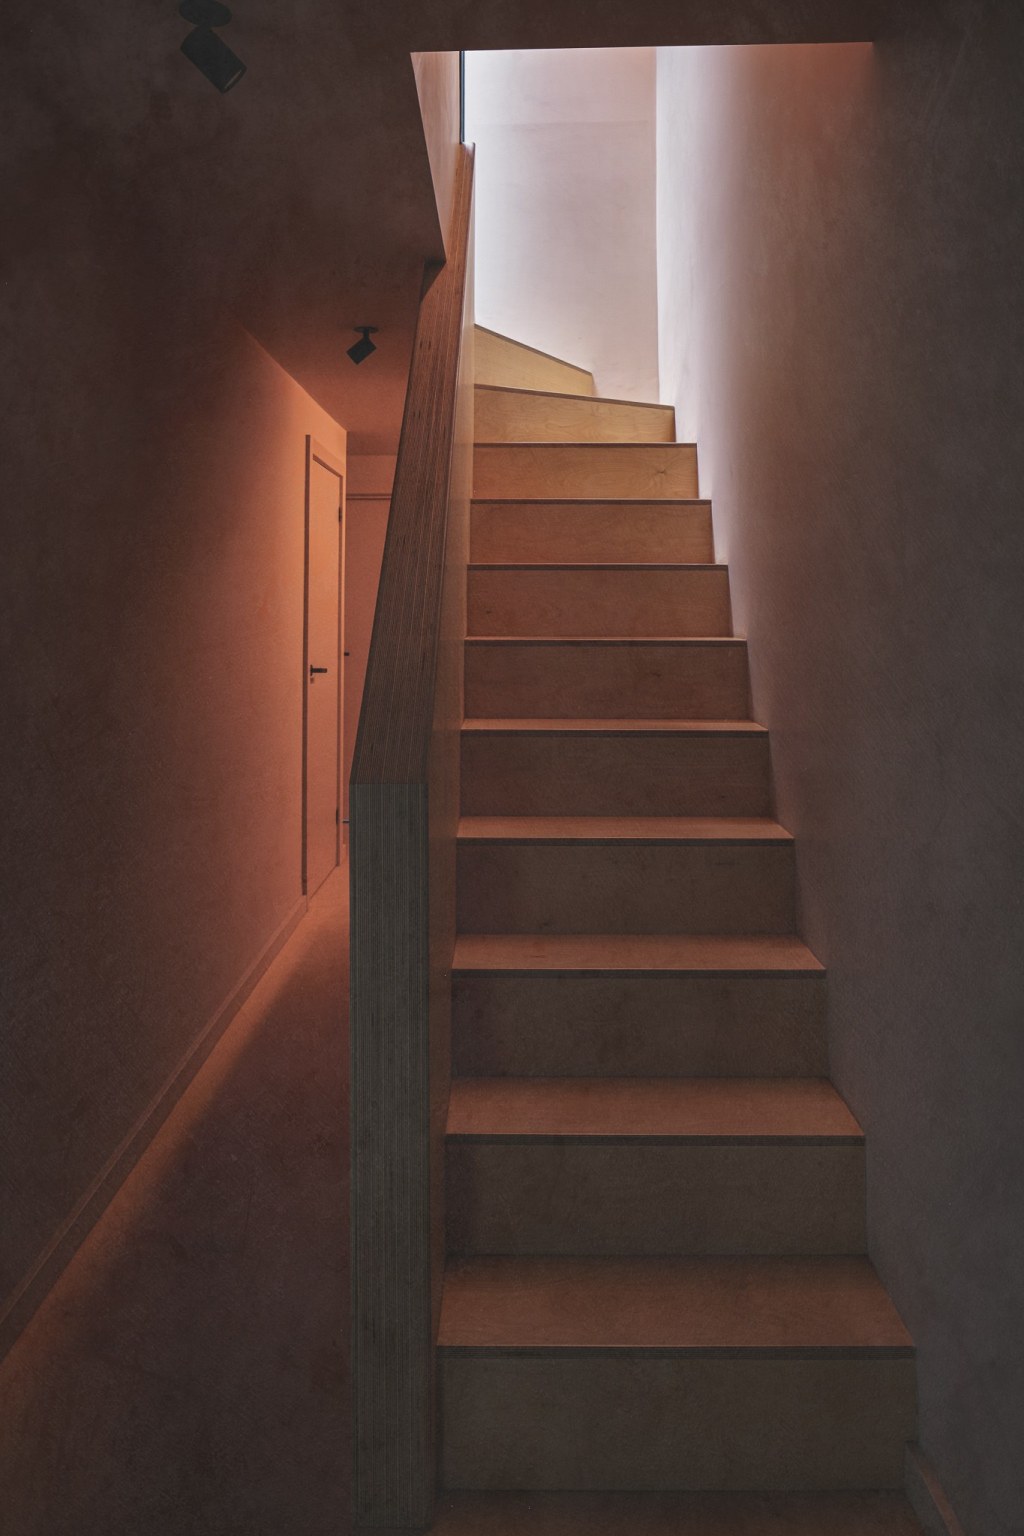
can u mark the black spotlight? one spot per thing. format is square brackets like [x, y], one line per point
[208, 52]
[362, 349]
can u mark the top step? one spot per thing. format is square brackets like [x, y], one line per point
[514, 365]
[504, 415]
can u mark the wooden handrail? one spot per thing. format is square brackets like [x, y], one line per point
[403, 809]
[397, 709]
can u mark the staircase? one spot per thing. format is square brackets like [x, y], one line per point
[656, 1279]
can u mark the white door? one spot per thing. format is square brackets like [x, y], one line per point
[323, 671]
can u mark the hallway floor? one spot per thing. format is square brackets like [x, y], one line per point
[188, 1373]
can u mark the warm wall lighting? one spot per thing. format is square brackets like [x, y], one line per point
[208, 52]
[362, 349]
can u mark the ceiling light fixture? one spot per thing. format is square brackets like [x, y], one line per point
[362, 349]
[208, 52]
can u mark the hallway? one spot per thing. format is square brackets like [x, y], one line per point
[188, 1373]
[188, 1376]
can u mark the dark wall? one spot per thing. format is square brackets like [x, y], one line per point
[840, 266]
[151, 627]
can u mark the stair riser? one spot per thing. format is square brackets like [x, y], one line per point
[521, 418]
[599, 602]
[576, 775]
[636, 1197]
[598, 531]
[574, 682]
[638, 1026]
[625, 888]
[670, 1422]
[498, 360]
[643, 470]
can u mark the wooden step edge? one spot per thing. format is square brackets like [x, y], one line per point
[829, 1513]
[683, 1351]
[659, 502]
[726, 1307]
[597, 565]
[725, 957]
[557, 394]
[496, 726]
[558, 446]
[557, 1138]
[615, 831]
[644, 1111]
[525, 346]
[673, 640]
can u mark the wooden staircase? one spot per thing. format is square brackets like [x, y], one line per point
[656, 1279]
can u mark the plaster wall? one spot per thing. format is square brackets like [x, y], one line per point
[565, 206]
[151, 632]
[839, 238]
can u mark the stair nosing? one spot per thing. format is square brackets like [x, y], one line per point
[573, 443]
[656, 1139]
[514, 1304]
[506, 1109]
[716, 973]
[529, 966]
[597, 565]
[589, 501]
[497, 725]
[774, 835]
[685, 1351]
[606, 640]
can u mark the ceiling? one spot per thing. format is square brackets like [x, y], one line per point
[302, 199]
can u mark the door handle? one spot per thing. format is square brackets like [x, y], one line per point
[314, 671]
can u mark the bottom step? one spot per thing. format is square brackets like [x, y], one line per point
[674, 1514]
[653, 1374]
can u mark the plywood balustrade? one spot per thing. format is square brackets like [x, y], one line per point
[404, 813]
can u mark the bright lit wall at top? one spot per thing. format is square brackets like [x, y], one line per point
[566, 246]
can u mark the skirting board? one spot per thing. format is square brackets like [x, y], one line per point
[925, 1496]
[27, 1297]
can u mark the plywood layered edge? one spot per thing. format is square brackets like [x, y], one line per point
[404, 812]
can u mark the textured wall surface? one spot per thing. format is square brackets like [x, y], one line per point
[151, 752]
[565, 230]
[840, 235]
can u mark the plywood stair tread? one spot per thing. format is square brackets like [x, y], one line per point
[636, 953]
[617, 829]
[631, 1108]
[674, 1514]
[627, 503]
[673, 640]
[599, 727]
[558, 394]
[742, 1305]
[645, 566]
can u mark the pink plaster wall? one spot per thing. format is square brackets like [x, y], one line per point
[840, 236]
[152, 625]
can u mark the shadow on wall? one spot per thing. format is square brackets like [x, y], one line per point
[839, 239]
[151, 755]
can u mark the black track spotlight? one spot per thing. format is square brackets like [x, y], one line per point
[208, 52]
[362, 349]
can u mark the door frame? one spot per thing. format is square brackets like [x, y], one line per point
[319, 453]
